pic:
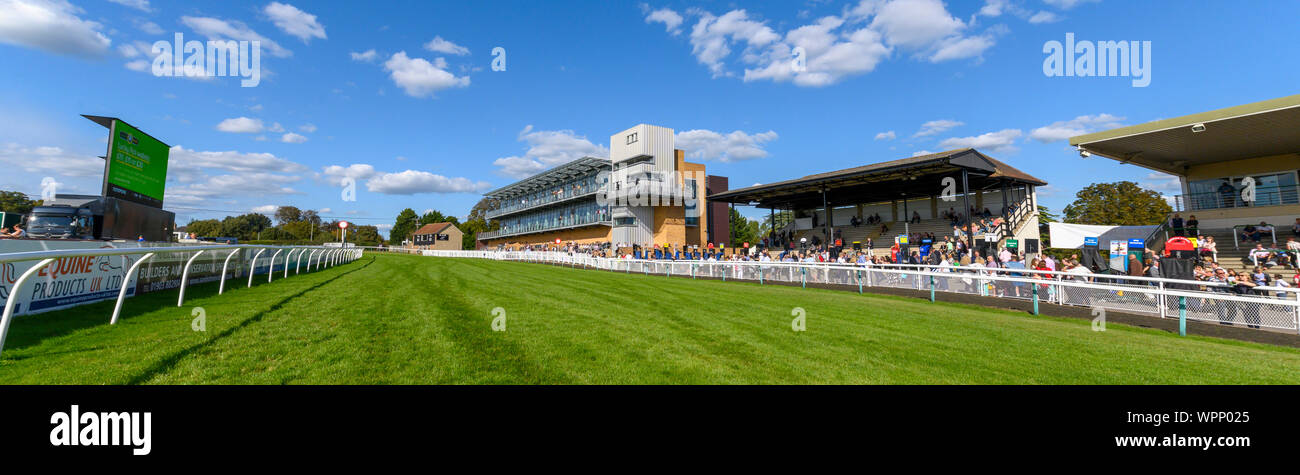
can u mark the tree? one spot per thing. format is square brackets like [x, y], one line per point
[406, 223]
[204, 228]
[743, 230]
[1121, 203]
[476, 222]
[245, 227]
[433, 216]
[288, 214]
[366, 236]
[16, 202]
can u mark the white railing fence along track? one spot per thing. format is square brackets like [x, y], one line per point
[46, 258]
[1275, 308]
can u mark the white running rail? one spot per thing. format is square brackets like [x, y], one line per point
[1277, 308]
[45, 258]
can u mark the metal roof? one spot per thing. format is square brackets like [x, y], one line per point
[580, 167]
[1259, 129]
[907, 177]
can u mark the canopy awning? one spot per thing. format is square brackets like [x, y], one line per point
[1260, 129]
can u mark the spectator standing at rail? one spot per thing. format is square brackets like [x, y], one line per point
[1177, 224]
[1193, 225]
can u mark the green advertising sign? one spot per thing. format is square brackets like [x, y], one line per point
[137, 166]
[1013, 244]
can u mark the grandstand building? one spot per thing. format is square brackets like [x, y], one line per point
[1222, 158]
[926, 188]
[644, 194]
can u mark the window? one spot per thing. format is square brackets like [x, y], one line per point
[1270, 189]
[631, 138]
[628, 221]
[692, 204]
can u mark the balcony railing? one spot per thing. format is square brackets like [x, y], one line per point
[523, 205]
[543, 227]
[1264, 196]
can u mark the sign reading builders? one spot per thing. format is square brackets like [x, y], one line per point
[136, 169]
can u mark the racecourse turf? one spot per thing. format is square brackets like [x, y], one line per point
[400, 319]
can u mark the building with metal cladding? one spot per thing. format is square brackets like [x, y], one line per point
[644, 194]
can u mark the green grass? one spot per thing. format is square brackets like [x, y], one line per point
[396, 319]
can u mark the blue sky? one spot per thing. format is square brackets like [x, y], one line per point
[402, 96]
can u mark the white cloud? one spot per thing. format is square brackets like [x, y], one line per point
[142, 5]
[994, 8]
[295, 22]
[148, 27]
[308, 128]
[1044, 17]
[368, 56]
[292, 138]
[546, 149]
[265, 209]
[420, 78]
[712, 37]
[335, 174]
[437, 44]
[828, 55]
[1002, 140]
[928, 29]
[834, 47]
[52, 26]
[1066, 4]
[1164, 183]
[733, 147]
[226, 186]
[139, 65]
[199, 177]
[921, 152]
[276, 128]
[222, 30]
[186, 166]
[50, 160]
[412, 182]
[887, 135]
[1080, 125]
[241, 125]
[936, 127]
[671, 19]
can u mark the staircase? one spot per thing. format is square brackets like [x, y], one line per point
[1230, 257]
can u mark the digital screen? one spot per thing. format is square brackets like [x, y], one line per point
[137, 166]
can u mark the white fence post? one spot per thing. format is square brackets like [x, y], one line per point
[185, 274]
[121, 294]
[222, 287]
[252, 267]
[270, 272]
[8, 316]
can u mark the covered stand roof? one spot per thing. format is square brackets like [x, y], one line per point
[580, 167]
[908, 177]
[1259, 129]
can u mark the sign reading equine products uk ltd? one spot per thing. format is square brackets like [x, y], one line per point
[136, 169]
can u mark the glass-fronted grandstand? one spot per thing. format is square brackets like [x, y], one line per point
[645, 194]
